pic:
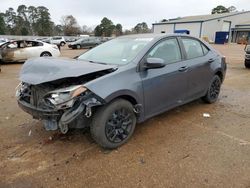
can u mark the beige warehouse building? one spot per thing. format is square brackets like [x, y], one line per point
[236, 23]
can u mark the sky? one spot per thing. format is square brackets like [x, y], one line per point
[127, 12]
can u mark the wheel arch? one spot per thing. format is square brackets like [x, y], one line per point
[220, 74]
[45, 52]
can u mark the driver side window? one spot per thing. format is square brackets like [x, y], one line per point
[168, 50]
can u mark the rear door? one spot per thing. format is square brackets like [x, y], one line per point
[198, 60]
[164, 87]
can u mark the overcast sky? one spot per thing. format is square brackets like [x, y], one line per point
[126, 12]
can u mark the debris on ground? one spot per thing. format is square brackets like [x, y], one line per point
[206, 115]
[142, 161]
[30, 133]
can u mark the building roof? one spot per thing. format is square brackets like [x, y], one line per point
[201, 18]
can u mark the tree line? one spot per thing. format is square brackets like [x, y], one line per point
[37, 21]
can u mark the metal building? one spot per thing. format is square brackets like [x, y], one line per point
[237, 24]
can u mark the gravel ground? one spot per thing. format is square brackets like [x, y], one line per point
[179, 148]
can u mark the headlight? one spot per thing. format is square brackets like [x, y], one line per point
[65, 98]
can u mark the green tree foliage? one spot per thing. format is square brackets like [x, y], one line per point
[219, 10]
[2, 24]
[43, 25]
[141, 28]
[118, 29]
[27, 21]
[70, 25]
[106, 28]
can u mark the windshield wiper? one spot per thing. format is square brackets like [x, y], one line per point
[98, 62]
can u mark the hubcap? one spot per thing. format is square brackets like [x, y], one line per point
[118, 125]
[46, 55]
[215, 89]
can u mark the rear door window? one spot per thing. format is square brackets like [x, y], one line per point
[193, 48]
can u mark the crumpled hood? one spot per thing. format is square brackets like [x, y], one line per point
[41, 70]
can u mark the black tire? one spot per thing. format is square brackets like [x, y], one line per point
[78, 46]
[247, 64]
[45, 54]
[62, 44]
[213, 90]
[113, 124]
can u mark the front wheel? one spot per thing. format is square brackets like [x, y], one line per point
[213, 90]
[114, 124]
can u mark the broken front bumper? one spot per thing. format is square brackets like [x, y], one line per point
[54, 119]
[38, 113]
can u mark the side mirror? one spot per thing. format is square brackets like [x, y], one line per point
[154, 63]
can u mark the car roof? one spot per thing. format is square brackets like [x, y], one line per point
[151, 35]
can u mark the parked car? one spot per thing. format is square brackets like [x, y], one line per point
[58, 40]
[87, 42]
[2, 41]
[21, 50]
[119, 83]
[46, 39]
[247, 56]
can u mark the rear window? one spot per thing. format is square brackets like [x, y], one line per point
[193, 48]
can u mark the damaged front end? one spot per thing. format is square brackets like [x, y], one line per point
[61, 108]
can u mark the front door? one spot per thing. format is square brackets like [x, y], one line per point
[165, 87]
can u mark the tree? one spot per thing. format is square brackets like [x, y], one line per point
[70, 25]
[141, 28]
[86, 30]
[98, 31]
[10, 20]
[58, 30]
[23, 24]
[32, 17]
[43, 25]
[232, 9]
[106, 28]
[164, 20]
[2, 24]
[118, 29]
[219, 10]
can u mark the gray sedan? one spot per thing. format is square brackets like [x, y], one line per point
[119, 83]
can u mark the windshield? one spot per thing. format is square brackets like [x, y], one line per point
[118, 51]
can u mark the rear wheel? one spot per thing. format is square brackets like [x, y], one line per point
[247, 64]
[213, 90]
[78, 46]
[114, 124]
[62, 44]
[45, 54]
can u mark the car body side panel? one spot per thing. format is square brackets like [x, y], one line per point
[164, 88]
[200, 73]
[14, 54]
[124, 81]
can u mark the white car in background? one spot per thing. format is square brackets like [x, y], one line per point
[2, 41]
[21, 50]
[58, 40]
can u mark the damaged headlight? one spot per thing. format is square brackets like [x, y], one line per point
[64, 98]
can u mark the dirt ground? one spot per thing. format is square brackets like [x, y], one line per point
[179, 148]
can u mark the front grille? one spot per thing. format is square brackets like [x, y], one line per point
[33, 94]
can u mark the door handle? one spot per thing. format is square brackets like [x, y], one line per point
[183, 69]
[211, 60]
